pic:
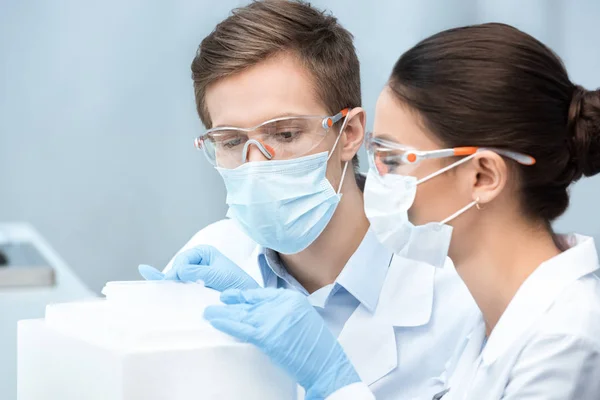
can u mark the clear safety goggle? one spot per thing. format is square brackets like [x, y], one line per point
[277, 139]
[388, 157]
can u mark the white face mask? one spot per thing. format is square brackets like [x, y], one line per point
[387, 201]
[283, 204]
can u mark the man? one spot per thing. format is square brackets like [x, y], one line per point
[277, 85]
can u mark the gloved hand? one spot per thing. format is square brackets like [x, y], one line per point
[284, 325]
[203, 263]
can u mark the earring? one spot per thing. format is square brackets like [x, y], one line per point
[477, 204]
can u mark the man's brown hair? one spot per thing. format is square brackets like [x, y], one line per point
[262, 29]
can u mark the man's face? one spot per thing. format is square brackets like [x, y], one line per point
[277, 87]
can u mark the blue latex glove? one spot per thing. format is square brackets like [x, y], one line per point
[203, 263]
[284, 325]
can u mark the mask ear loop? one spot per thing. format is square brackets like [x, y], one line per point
[448, 168]
[461, 211]
[342, 179]
[441, 171]
[338, 137]
[333, 149]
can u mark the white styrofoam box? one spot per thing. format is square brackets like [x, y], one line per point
[53, 365]
[29, 302]
[144, 345]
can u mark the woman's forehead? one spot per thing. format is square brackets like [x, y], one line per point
[397, 123]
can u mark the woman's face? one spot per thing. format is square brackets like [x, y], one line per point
[443, 195]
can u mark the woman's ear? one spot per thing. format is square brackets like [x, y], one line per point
[353, 134]
[491, 176]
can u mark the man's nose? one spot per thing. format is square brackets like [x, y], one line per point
[256, 150]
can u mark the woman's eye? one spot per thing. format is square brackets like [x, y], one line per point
[392, 162]
[389, 164]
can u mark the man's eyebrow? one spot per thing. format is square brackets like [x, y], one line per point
[280, 115]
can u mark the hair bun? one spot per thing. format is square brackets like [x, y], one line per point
[584, 132]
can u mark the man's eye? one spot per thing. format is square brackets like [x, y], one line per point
[287, 136]
[231, 143]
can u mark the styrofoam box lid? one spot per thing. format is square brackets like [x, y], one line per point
[142, 314]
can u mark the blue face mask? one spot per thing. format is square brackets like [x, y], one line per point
[283, 205]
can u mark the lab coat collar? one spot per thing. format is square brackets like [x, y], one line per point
[538, 293]
[406, 298]
[460, 367]
[363, 275]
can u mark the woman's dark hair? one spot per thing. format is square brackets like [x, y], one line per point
[492, 85]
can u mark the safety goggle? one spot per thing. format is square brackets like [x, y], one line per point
[387, 156]
[277, 139]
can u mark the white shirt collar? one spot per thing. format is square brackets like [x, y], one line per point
[538, 293]
[363, 275]
[271, 266]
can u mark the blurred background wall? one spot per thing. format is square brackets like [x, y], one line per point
[97, 116]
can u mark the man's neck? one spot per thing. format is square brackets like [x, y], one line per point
[321, 262]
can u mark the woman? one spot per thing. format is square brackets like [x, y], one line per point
[477, 137]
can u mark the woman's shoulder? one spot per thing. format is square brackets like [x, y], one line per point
[576, 312]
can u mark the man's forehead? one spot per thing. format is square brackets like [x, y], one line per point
[271, 89]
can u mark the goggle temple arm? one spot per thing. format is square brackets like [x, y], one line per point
[523, 159]
[330, 121]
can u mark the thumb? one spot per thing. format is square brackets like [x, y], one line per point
[194, 273]
[199, 255]
[150, 273]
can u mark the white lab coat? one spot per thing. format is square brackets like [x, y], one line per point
[546, 345]
[401, 348]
